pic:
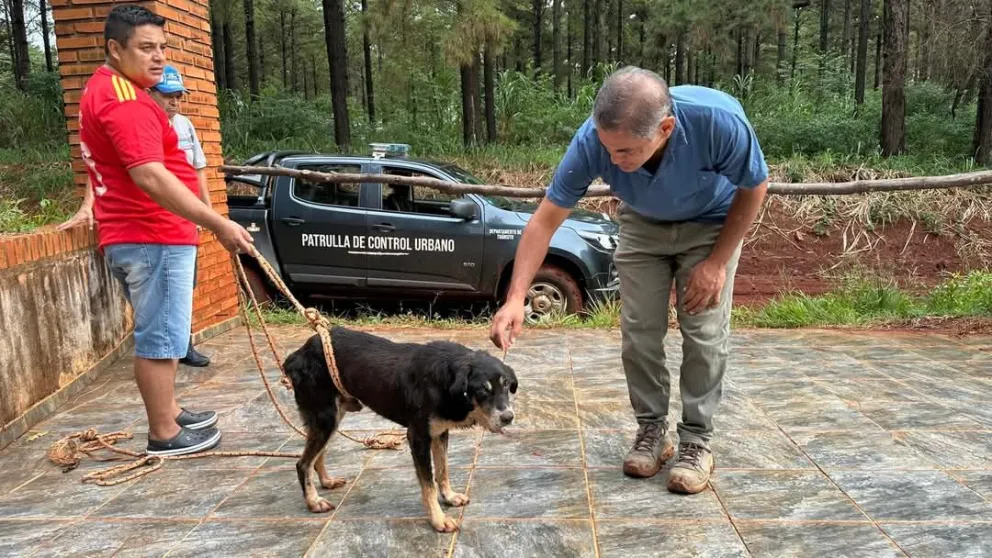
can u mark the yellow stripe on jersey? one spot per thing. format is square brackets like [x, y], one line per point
[130, 90]
[124, 89]
[117, 88]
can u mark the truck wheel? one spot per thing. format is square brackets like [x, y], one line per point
[553, 291]
[259, 286]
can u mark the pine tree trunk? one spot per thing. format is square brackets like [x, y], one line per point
[229, 69]
[680, 58]
[824, 26]
[893, 137]
[367, 49]
[477, 96]
[254, 60]
[641, 36]
[9, 34]
[586, 37]
[468, 119]
[555, 43]
[316, 82]
[846, 41]
[878, 58]
[795, 42]
[538, 15]
[570, 21]
[983, 121]
[261, 63]
[490, 87]
[43, 7]
[293, 69]
[862, 68]
[597, 39]
[783, 39]
[932, 9]
[22, 61]
[620, 18]
[282, 40]
[217, 38]
[740, 53]
[337, 58]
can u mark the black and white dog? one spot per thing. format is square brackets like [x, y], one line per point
[428, 388]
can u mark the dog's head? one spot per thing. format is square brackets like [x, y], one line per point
[483, 385]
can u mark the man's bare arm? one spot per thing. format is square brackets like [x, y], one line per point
[533, 248]
[201, 178]
[168, 191]
[743, 210]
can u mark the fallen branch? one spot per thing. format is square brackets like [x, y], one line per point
[978, 178]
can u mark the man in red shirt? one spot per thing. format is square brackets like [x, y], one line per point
[145, 199]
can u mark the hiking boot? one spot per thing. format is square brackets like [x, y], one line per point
[194, 358]
[692, 471]
[186, 442]
[652, 448]
[196, 421]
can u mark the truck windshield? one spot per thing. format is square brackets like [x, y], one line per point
[509, 204]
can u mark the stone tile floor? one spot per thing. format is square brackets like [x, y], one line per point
[828, 444]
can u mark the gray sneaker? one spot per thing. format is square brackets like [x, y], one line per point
[692, 471]
[186, 442]
[652, 448]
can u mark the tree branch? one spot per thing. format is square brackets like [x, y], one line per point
[780, 188]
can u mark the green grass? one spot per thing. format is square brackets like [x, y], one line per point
[860, 302]
[870, 302]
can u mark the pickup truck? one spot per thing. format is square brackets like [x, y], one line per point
[371, 240]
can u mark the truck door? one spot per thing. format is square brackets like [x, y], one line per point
[318, 228]
[416, 243]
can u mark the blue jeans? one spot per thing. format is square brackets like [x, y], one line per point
[158, 282]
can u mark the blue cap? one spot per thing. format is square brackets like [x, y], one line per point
[171, 81]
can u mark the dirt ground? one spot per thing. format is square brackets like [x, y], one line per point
[782, 254]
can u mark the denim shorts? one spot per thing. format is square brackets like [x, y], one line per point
[158, 282]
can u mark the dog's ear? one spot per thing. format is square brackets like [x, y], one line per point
[511, 377]
[460, 371]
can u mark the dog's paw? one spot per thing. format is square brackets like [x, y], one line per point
[444, 524]
[320, 505]
[330, 483]
[456, 499]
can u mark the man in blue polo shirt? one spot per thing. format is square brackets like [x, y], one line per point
[691, 178]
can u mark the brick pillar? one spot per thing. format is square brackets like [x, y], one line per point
[79, 38]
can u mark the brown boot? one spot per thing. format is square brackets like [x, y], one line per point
[692, 471]
[652, 448]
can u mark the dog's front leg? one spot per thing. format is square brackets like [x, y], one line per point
[439, 449]
[420, 447]
[326, 480]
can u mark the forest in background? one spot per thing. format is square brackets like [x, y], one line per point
[835, 88]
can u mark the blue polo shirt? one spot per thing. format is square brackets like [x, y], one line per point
[712, 152]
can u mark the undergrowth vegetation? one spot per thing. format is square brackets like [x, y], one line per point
[860, 301]
[807, 132]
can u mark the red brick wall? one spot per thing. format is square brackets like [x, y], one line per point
[79, 38]
[24, 249]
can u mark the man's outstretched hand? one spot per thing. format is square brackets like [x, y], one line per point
[234, 237]
[509, 317]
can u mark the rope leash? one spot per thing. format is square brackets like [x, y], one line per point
[67, 452]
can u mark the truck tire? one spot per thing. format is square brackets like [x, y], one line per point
[552, 290]
[258, 284]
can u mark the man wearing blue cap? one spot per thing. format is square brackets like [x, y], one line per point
[166, 93]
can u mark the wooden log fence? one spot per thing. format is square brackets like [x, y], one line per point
[962, 180]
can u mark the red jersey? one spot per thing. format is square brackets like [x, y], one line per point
[121, 127]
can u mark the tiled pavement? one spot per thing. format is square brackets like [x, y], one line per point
[828, 444]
